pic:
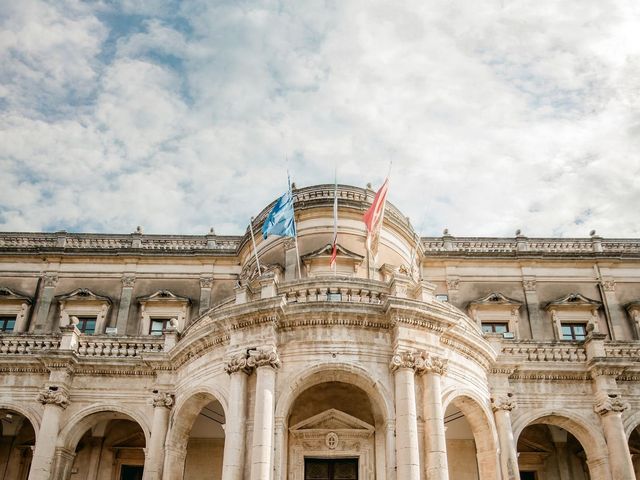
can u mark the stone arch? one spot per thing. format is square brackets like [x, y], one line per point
[631, 423]
[589, 436]
[81, 421]
[480, 419]
[381, 398]
[26, 412]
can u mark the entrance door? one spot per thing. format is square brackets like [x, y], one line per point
[131, 472]
[330, 469]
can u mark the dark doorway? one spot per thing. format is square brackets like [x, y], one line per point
[131, 472]
[528, 476]
[331, 469]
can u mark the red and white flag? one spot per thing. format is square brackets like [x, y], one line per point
[373, 218]
[334, 246]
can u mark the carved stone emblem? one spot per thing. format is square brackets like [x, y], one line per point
[331, 440]
[54, 396]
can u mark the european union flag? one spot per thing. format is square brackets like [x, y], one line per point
[280, 220]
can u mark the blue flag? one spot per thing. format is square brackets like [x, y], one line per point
[280, 220]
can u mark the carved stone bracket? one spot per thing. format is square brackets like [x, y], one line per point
[263, 357]
[237, 364]
[162, 399]
[609, 402]
[503, 402]
[54, 396]
[128, 281]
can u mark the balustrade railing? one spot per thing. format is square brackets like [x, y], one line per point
[335, 290]
[27, 344]
[119, 347]
[540, 352]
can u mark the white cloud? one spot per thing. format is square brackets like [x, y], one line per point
[500, 115]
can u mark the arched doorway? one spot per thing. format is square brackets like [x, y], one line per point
[17, 439]
[634, 448]
[102, 443]
[471, 441]
[559, 446]
[195, 447]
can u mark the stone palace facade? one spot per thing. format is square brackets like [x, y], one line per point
[174, 357]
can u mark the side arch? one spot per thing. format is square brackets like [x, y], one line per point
[77, 425]
[631, 423]
[29, 413]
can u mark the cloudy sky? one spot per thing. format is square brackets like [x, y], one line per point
[178, 116]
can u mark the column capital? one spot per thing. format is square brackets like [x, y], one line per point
[128, 281]
[206, 282]
[50, 279]
[428, 363]
[54, 395]
[529, 285]
[504, 402]
[609, 285]
[406, 359]
[264, 357]
[162, 399]
[609, 402]
[237, 364]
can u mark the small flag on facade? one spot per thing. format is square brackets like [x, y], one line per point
[280, 220]
[334, 246]
[373, 218]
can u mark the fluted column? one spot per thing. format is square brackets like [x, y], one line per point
[403, 366]
[610, 408]
[162, 404]
[435, 440]
[234, 432]
[266, 362]
[55, 399]
[502, 406]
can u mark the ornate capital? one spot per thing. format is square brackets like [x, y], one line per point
[128, 281]
[428, 363]
[529, 285]
[609, 285]
[54, 396]
[263, 357]
[453, 284]
[50, 279]
[403, 360]
[503, 402]
[162, 399]
[206, 282]
[611, 402]
[237, 364]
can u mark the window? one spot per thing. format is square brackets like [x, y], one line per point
[494, 327]
[158, 325]
[574, 331]
[87, 325]
[7, 323]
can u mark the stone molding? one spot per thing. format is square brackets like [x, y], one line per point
[162, 399]
[237, 364]
[612, 402]
[264, 357]
[54, 397]
[504, 402]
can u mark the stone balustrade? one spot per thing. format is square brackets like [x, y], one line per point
[546, 351]
[622, 350]
[335, 290]
[27, 344]
[129, 347]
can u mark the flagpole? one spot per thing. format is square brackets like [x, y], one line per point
[255, 251]
[295, 227]
[335, 216]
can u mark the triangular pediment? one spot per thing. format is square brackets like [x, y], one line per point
[83, 295]
[325, 252]
[494, 298]
[573, 300]
[163, 296]
[333, 419]
[7, 294]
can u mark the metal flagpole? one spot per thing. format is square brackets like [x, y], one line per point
[295, 227]
[255, 251]
[335, 215]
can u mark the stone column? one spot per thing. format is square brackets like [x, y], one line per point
[162, 403]
[559, 437]
[125, 303]
[94, 458]
[266, 362]
[502, 406]
[55, 400]
[205, 293]
[175, 456]
[234, 432]
[435, 440]
[610, 408]
[50, 280]
[403, 365]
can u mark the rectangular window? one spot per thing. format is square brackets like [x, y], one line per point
[574, 331]
[7, 323]
[87, 325]
[158, 325]
[494, 327]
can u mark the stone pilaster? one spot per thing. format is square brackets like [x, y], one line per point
[453, 285]
[234, 441]
[128, 282]
[162, 404]
[502, 405]
[55, 399]
[621, 328]
[432, 369]
[536, 322]
[206, 283]
[610, 407]
[403, 365]
[50, 280]
[266, 362]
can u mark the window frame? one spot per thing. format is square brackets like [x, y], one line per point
[165, 323]
[4, 319]
[572, 326]
[82, 323]
[493, 329]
